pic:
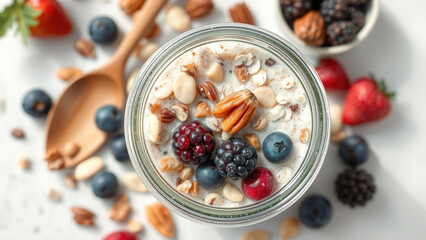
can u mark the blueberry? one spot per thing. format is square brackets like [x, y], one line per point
[315, 211]
[208, 176]
[104, 184]
[103, 30]
[353, 150]
[36, 103]
[277, 147]
[119, 149]
[108, 118]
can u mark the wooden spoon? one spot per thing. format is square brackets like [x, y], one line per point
[72, 116]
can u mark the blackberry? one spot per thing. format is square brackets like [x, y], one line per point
[235, 159]
[354, 187]
[358, 3]
[333, 10]
[193, 143]
[357, 18]
[293, 9]
[340, 32]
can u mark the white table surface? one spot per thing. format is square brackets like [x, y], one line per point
[394, 50]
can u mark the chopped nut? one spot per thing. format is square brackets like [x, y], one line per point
[288, 115]
[189, 68]
[186, 173]
[239, 60]
[198, 8]
[284, 175]
[56, 164]
[195, 188]
[250, 60]
[144, 51]
[71, 149]
[338, 137]
[166, 116]
[53, 194]
[255, 235]
[270, 62]
[70, 180]
[131, 79]
[227, 90]
[154, 128]
[131, 181]
[226, 136]
[85, 48]
[232, 193]
[289, 228]
[18, 133]
[83, 216]
[254, 68]
[177, 18]
[202, 110]
[170, 164]
[120, 209]
[289, 83]
[213, 123]
[69, 73]
[184, 88]
[163, 90]
[208, 90]
[259, 123]
[336, 114]
[310, 28]
[276, 113]
[52, 154]
[23, 161]
[88, 168]
[304, 135]
[153, 107]
[241, 14]
[241, 73]
[266, 96]
[134, 226]
[213, 199]
[181, 111]
[282, 99]
[189, 187]
[160, 218]
[131, 6]
[301, 97]
[253, 140]
[215, 72]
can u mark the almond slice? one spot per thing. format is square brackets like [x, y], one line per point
[154, 128]
[266, 96]
[184, 88]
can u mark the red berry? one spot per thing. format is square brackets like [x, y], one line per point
[200, 150]
[186, 155]
[332, 75]
[123, 235]
[176, 135]
[188, 131]
[209, 147]
[195, 124]
[183, 128]
[200, 129]
[258, 185]
[195, 137]
[178, 152]
[208, 138]
[183, 142]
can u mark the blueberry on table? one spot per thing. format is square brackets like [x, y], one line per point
[258, 185]
[104, 184]
[36, 103]
[119, 149]
[315, 211]
[277, 147]
[103, 30]
[108, 118]
[208, 177]
[354, 150]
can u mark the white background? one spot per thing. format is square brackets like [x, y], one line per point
[395, 50]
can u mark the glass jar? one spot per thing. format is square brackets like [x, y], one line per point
[199, 212]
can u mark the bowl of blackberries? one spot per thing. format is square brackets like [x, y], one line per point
[327, 27]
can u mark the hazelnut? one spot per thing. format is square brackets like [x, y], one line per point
[310, 28]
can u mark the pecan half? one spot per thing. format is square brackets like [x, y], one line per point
[85, 48]
[166, 116]
[238, 109]
[83, 216]
[198, 8]
[241, 14]
[121, 208]
[160, 218]
[208, 90]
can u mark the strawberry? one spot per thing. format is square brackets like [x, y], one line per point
[366, 101]
[41, 18]
[332, 74]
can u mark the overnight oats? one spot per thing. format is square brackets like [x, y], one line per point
[227, 124]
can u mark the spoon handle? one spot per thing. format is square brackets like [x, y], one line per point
[146, 17]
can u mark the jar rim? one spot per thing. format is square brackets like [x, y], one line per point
[246, 215]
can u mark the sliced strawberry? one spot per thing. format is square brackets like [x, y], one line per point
[332, 74]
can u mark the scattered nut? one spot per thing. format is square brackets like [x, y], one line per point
[282, 99]
[153, 107]
[253, 140]
[208, 90]
[195, 189]
[276, 113]
[241, 73]
[154, 128]
[160, 218]
[289, 83]
[181, 111]
[71, 149]
[310, 28]
[232, 193]
[338, 137]
[255, 235]
[131, 181]
[213, 199]
[131, 6]
[134, 226]
[83, 216]
[131, 79]
[215, 72]
[250, 60]
[336, 114]
[254, 68]
[213, 123]
[241, 14]
[288, 115]
[18, 133]
[166, 116]
[177, 18]
[266, 96]
[226, 136]
[270, 62]
[70, 181]
[227, 90]
[289, 228]
[198, 8]
[53, 194]
[69, 73]
[202, 110]
[52, 154]
[85, 48]
[259, 123]
[121, 208]
[88, 168]
[23, 161]
[184, 88]
[304, 135]
[56, 164]
[260, 78]
[188, 187]
[170, 164]
[239, 60]
[301, 97]
[163, 90]
[189, 68]
[144, 51]
[186, 173]
[284, 175]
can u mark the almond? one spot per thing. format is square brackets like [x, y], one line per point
[198, 8]
[241, 14]
[241, 74]
[69, 73]
[85, 48]
[121, 208]
[166, 116]
[177, 18]
[131, 181]
[184, 88]
[289, 228]
[88, 168]
[131, 6]
[202, 110]
[253, 140]
[181, 111]
[160, 218]
[215, 72]
[208, 90]
[266, 96]
[336, 114]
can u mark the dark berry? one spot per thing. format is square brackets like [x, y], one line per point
[196, 137]
[119, 149]
[200, 150]
[235, 158]
[355, 187]
[36, 103]
[353, 150]
[195, 124]
[183, 128]
[258, 185]
[358, 3]
[334, 10]
[108, 118]
[183, 142]
[176, 135]
[208, 176]
[277, 147]
[186, 155]
[340, 32]
[315, 211]
[293, 9]
[189, 131]
[104, 184]
[103, 30]
[357, 18]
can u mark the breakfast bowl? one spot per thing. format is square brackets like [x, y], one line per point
[309, 29]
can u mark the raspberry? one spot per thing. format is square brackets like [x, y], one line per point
[193, 143]
[235, 159]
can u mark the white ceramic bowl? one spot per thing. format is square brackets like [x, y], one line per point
[370, 20]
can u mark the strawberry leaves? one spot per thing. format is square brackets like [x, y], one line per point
[22, 14]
